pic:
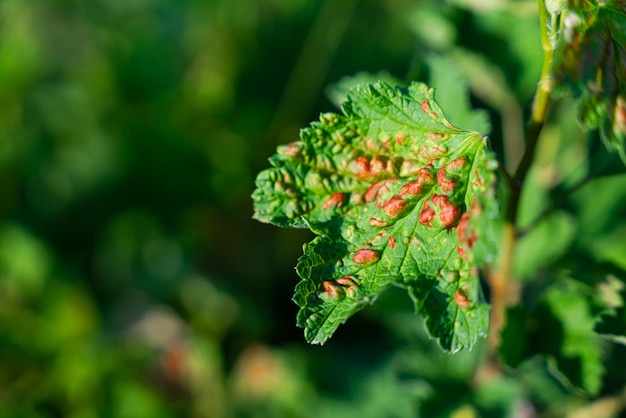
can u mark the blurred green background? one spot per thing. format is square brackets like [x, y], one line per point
[133, 282]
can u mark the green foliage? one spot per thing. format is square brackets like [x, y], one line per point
[134, 283]
[590, 61]
[561, 327]
[348, 180]
[398, 196]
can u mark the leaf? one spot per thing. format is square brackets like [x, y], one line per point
[398, 196]
[561, 327]
[605, 286]
[580, 357]
[590, 61]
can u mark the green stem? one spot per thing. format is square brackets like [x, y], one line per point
[504, 290]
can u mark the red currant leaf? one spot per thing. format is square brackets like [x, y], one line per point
[398, 196]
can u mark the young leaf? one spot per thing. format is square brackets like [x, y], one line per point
[398, 196]
[590, 60]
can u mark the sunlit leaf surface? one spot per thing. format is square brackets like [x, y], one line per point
[398, 196]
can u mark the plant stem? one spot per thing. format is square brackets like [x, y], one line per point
[504, 291]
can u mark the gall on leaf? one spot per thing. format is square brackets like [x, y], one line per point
[395, 207]
[336, 200]
[386, 186]
[448, 211]
[365, 256]
[427, 214]
[461, 299]
[416, 188]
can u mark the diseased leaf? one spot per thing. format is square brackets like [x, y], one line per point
[590, 61]
[398, 196]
